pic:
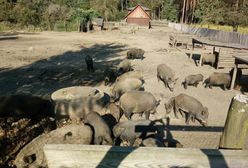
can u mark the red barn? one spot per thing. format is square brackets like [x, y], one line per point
[139, 15]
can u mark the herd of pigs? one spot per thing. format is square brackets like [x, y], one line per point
[128, 97]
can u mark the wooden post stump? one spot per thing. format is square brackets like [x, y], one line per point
[236, 127]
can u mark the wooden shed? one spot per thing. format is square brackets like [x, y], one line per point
[139, 15]
[97, 23]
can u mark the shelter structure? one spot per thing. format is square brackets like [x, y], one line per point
[139, 15]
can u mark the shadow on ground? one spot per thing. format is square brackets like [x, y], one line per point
[43, 77]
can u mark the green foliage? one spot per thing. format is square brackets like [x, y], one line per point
[84, 15]
[171, 11]
[56, 14]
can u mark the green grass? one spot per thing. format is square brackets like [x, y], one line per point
[241, 29]
[71, 26]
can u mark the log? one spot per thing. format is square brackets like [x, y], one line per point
[71, 156]
[236, 127]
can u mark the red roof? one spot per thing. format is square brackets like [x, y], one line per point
[138, 7]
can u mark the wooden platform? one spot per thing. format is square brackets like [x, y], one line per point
[75, 156]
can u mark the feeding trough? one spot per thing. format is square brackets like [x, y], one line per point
[78, 99]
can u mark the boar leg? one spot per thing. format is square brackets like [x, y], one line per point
[147, 114]
[128, 115]
[188, 117]
[185, 85]
[224, 87]
[131, 142]
[182, 113]
[98, 140]
[158, 77]
[193, 118]
[140, 114]
[176, 110]
[196, 84]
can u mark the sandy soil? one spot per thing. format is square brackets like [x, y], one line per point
[41, 63]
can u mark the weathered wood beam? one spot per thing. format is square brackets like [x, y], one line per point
[235, 133]
[71, 156]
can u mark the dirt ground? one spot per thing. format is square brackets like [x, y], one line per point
[40, 63]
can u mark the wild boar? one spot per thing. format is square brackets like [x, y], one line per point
[218, 79]
[25, 106]
[192, 80]
[102, 133]
[115, 111]
[131, 74]
[208, 58]
[124, 66]
[151, 142]
[190, 106]
[89, 63]
[76, 109]
[138, 102]
[167, 75]
[125, 85]
[110, 76]
[136, 53]
[131, 130]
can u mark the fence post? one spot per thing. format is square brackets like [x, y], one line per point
[235, 135]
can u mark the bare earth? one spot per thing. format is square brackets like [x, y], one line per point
[41, 63]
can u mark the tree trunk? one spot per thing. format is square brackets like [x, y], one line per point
[235, 135]
[65, 24]
[183, 12]
[122, 7]
[235, 28]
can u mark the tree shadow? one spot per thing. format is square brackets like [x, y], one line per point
[43, 77]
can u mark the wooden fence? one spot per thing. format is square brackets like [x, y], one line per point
[216, 35]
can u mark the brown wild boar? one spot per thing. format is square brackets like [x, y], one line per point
[125, 85]
[167, 75]
[192, 80]
[190, 106]
[218, 79]
[102, 133]
[138, 102]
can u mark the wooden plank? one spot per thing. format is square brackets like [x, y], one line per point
[234, 76]
[71, 156]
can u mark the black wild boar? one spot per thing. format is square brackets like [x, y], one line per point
[102, 133]
[25, 106]
[138, 102]
[89, 62]
[218, 79]
[136, 53]
[110, 76]
[190, 106]
[192, 80]
[167, 75]
[131, 130]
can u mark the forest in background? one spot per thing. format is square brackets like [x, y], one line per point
[51, 14]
